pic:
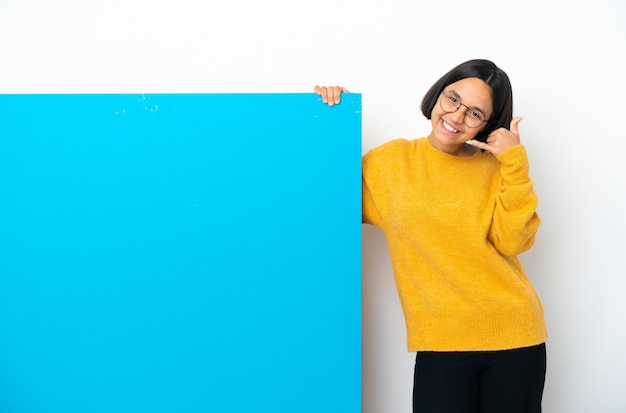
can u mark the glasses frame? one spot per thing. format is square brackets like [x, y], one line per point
[445, 94]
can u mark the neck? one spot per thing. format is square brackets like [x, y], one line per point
[461, 149]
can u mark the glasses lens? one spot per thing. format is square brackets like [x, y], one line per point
[474, 118]
[449, 102]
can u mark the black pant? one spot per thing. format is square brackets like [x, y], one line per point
[509, 381]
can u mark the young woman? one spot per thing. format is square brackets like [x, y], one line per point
[457, 207]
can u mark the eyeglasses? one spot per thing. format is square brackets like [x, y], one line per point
[450, 103]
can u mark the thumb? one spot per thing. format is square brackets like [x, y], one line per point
[514, 125]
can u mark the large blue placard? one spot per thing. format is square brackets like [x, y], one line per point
[179, 253]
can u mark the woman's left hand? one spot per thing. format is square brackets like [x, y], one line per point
[501, 139]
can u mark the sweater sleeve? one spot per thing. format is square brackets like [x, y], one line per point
[370, 213]
[515, 220]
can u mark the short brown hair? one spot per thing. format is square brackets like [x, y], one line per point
[494, 77]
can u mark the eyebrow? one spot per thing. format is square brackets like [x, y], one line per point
[471, 107]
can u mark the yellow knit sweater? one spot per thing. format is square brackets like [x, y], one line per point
[454, 226]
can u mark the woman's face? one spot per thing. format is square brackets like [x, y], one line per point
[450, 130]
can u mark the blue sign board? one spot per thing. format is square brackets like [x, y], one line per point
[180, 253]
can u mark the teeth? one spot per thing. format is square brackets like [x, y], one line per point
[448, 127]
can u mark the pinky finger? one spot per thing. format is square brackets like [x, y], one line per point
[476, 143]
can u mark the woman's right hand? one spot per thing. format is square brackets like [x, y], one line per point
[331, 95]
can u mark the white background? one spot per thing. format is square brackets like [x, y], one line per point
[566, 60]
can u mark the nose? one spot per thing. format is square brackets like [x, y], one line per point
[458, 115]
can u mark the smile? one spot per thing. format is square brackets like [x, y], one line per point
[448, 127]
